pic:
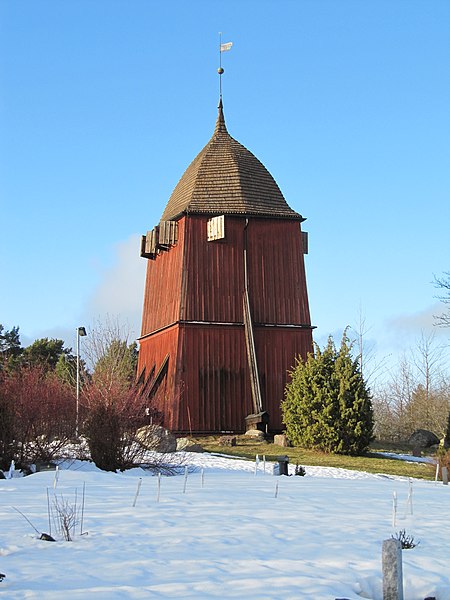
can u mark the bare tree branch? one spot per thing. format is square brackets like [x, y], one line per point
[443, 283]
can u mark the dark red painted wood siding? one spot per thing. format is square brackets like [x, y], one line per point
[198, 286]
[162, 295]
[277, 282]
[215, 374]
[214, 273]
[276, 350]
[152, 353]
[276, 272]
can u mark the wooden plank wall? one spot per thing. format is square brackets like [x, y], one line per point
[162, 294]
[277, 281]
[215, 278]
[153, 350]
[276, 349]
[215, 273]
[217, 392]
[208, 384]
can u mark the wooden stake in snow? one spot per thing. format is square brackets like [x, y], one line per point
[74, 524]
[276, 490]
[159, 487]
[264, 463]
[394, 509]
[137, 491]
[392, 570]
[55, 481]
[256, 464]
[203, 476]
[82, 508]
[409, 499]
[48, 512]
[185, 479]
[445, 475]
[10, 473]
[437, 472]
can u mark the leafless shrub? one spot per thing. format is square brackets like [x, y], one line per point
[37, 415]
[65, 516]
[417, 395]
[407, 541]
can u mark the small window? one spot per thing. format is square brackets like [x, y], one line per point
[305, 242]
[216, 228]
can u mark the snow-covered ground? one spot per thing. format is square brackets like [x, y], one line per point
[239, 535]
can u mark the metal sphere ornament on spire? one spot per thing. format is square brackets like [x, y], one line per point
[222, 48]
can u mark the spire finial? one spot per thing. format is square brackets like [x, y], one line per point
[220, 123]
[220, 70]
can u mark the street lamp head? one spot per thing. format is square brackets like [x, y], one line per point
[81, 331]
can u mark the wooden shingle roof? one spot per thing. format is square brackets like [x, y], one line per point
[226, 178]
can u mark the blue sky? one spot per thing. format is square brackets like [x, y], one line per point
[103, 104]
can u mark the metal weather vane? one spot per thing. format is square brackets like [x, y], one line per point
[222, 48]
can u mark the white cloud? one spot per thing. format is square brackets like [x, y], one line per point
[120, 292]
[419, 321]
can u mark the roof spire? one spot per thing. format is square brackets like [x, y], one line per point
[220, 123]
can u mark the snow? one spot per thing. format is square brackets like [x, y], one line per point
[319, 538]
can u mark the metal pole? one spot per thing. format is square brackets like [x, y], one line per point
[78, 381]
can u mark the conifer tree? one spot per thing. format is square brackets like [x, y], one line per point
[447, 433]
[327, 405]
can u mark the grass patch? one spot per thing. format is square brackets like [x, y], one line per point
[372, 462]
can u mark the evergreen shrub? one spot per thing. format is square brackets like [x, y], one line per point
[327, 405]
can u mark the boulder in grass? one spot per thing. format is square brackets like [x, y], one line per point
[281, 440]
[187, 445]
[227, 440]
[155, 437]
[256, 434]
[422, 438]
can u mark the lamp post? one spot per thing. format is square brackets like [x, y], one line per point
[81, 332]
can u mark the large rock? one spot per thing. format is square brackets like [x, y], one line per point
[155, 437]
[256, 434]
[227, 440]
[281, 440]
[187, 445]
[422, 438]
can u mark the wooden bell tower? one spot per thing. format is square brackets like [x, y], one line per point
[225, 308]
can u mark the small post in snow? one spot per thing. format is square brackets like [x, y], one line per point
[159, 487]
[82, 508]
[394, 509]
[185, 479]
[409, 499]
[264, 463]
[256, 464]
[137, 491]
[48, 512]
[276, 490]
[55, 481]
[10, 473]
[437, 472]
[203, 477]
[445, 475]
[392, 570]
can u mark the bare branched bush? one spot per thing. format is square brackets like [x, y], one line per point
[65, 515]
[417, 395]
[114, 408]
[37, 415]
[407, 541]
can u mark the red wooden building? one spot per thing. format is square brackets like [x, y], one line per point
[225, 307]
